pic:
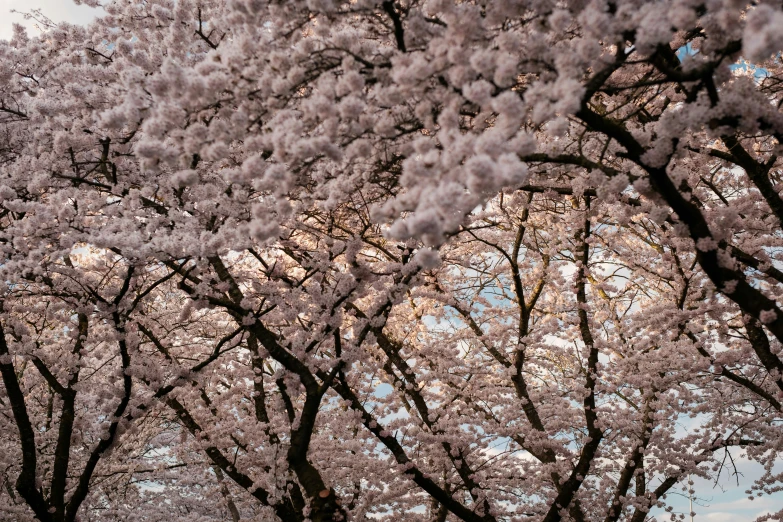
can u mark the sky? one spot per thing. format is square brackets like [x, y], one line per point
[57, 10]
[717, 505]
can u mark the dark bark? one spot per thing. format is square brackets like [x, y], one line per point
[26, 482]
[572, 484]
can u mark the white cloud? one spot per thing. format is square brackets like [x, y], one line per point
[57, 10]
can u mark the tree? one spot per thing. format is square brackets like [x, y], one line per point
[434, 260]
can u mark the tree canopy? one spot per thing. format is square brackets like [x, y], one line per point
[415, 260]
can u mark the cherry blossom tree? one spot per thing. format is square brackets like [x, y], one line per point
[417, 260]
